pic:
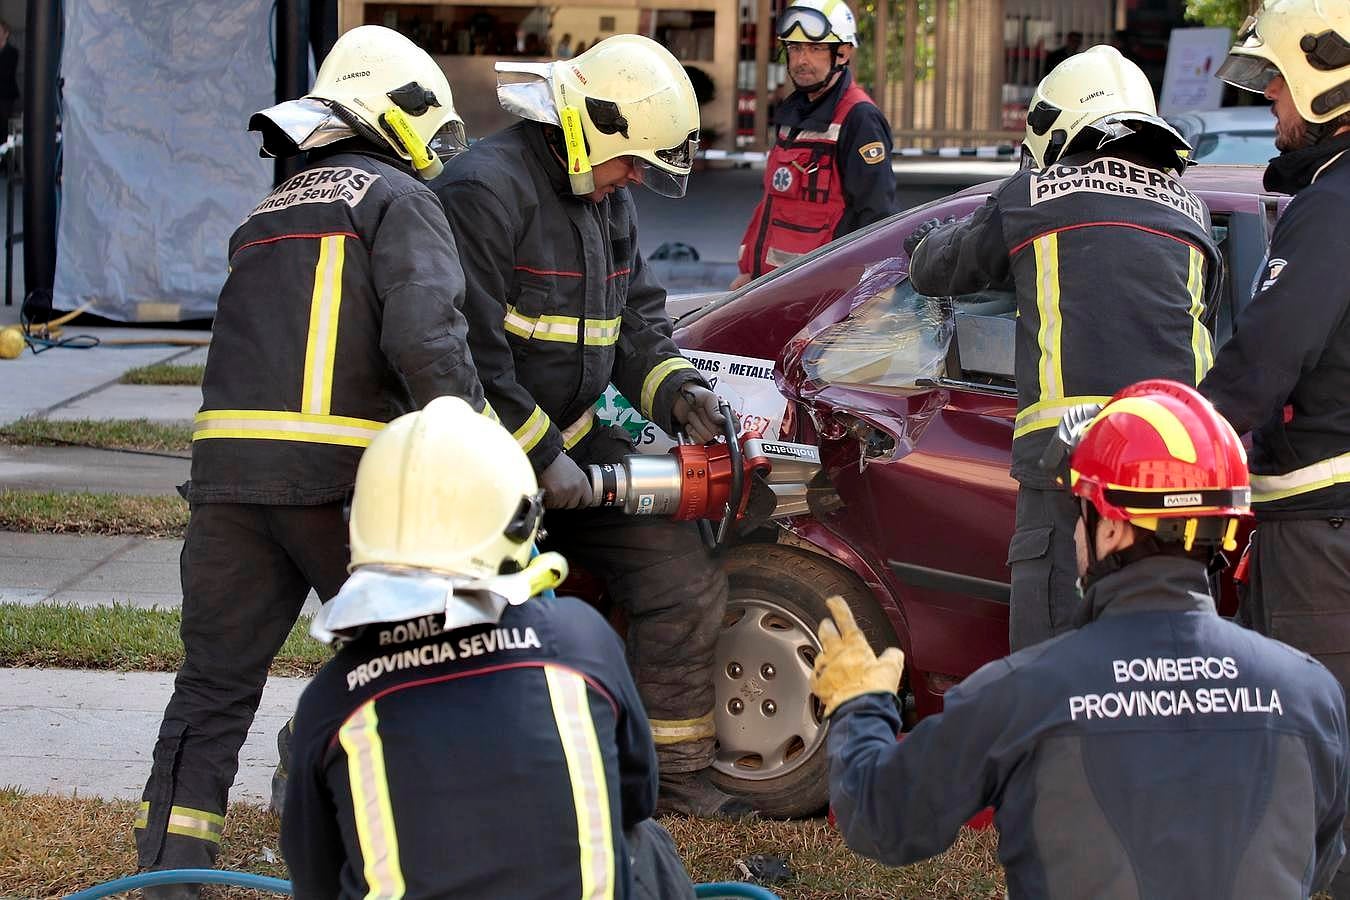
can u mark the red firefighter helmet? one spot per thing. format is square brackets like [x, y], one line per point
[1160, 457]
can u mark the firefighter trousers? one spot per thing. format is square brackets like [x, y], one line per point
[673, 594]
[1299, 593]
[1045, 596]
[246, 572]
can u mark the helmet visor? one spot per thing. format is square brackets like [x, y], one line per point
[449, 141]
[668, 174]
[654, 178]
[802, 24]
[1251, 73]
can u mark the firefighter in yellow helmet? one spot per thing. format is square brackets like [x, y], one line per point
[341, 311]
[561, 303]
[467, 707]
[1114, 273]
[829, 172]
[1285, 374]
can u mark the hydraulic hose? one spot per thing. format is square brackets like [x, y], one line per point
[194, 876]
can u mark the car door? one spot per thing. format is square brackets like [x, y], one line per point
[917, 445]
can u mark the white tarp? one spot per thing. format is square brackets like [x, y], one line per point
[158, 166]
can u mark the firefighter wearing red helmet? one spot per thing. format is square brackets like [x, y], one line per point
[1118, 756]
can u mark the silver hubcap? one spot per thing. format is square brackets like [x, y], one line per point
[767, 721]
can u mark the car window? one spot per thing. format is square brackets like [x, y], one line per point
[901, 340]
[1235, 147]
[895, 339]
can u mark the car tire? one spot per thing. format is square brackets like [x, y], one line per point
[775, 605]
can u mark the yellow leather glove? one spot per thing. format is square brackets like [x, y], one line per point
[847, 667]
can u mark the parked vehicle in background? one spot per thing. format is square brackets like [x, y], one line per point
[1235, 135]
[903, 408]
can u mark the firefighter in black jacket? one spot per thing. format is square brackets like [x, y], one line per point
[1119, 758]
[340, 312]
[560, 303]
[1285, 374]
[1114, 269]
[829, 172]
[471, 738]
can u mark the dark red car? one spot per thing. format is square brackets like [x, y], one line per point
[908, 514]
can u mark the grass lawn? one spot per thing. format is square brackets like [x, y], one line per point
[50, 846]
[164, 373]
[112, 434]
[121, 638]
[57, 512]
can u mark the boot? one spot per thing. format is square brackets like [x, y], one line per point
[278, 801]
[693, 794]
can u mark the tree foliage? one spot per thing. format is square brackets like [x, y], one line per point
[1219, 13]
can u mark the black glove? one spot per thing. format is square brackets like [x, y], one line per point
[924, 229]
[565, 485]
[696, 408]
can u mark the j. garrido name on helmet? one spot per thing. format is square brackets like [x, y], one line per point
[1117, 177]
[326, 184]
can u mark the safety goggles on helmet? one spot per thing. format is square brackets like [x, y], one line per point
[802, 24]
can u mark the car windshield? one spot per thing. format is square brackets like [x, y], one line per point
[894, 339]
[1235, 147]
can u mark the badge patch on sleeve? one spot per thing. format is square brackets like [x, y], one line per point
[872, 153]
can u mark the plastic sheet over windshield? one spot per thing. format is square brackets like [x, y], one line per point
[894, 338]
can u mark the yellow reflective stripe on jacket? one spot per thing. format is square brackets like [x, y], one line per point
[186, 821]
[371, 808]
[676, 731]
[490, 412]
[562, 329]
[1051, 326]
[533, 431]
[1319, 475]
[652, 383]
[271, 425]
[586, 771]
[1202, 348]
[573, 433]
[603, 332]
[317, 396]
[1047, 413]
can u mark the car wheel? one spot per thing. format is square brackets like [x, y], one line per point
[770, 730]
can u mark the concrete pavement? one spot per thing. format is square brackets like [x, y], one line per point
[92, 733]
[86, 731]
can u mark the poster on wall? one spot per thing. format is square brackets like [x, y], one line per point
[1193, 56]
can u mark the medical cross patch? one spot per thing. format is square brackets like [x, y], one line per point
[872, 153]
[782, 179]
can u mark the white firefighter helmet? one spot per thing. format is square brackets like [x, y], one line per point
[1307, 42]
[1089, 100]
[448, 490]
[818, 22]
[398, 94]
[626, 96]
